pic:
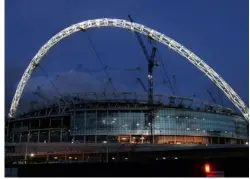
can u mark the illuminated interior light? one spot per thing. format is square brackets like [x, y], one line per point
[176, 158]
[137, 124]
[70, 157]
[164, 158]
[188, 129]
[104, 142]
[55, 157]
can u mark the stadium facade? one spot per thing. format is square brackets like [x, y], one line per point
[98, 119]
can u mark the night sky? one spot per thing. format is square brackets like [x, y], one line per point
[216, 31]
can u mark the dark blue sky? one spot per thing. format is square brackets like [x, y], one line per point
[216, 31]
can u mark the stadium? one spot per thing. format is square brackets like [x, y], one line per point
[91, 121]
[102, 126]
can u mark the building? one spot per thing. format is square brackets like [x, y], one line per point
[96, 120]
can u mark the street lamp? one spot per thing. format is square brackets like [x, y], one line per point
[32, 154]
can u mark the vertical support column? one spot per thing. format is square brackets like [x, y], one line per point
[13, 135]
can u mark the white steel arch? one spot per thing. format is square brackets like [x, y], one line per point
[172, 44]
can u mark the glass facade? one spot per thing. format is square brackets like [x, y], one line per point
[167, 122]
[171, 126]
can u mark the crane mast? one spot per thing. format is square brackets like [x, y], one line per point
[151, 64]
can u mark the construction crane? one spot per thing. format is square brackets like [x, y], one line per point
[138, 80]
[151, 64]
[144, 49]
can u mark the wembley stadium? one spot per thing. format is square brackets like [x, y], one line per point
[111, 126]
[86, 123]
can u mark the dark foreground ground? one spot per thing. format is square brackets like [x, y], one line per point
[236, 167]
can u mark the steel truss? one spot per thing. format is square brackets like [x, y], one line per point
[105, 22]
[121, 101]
